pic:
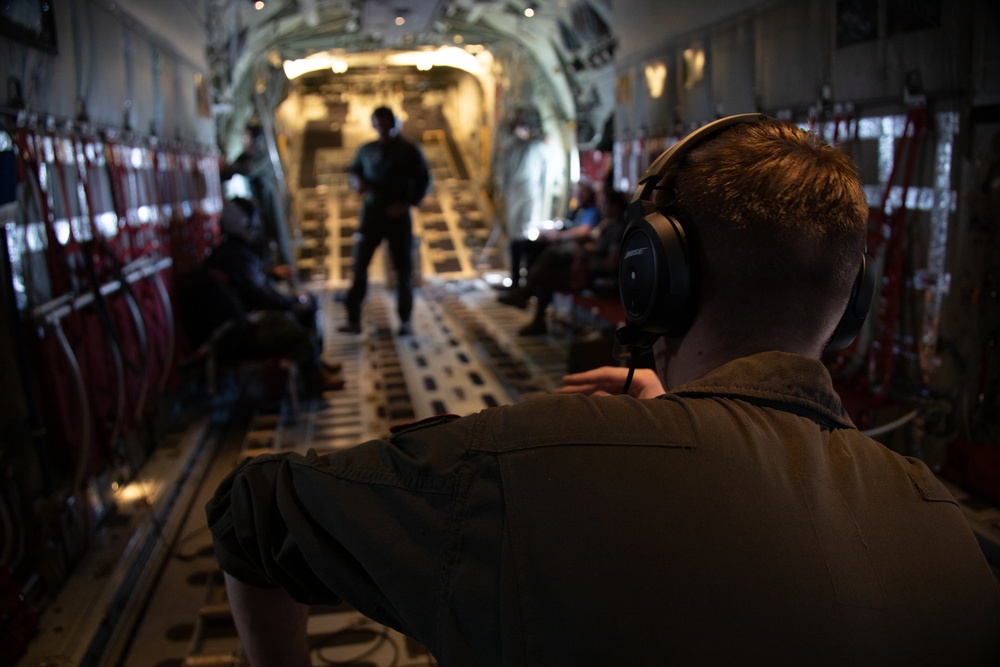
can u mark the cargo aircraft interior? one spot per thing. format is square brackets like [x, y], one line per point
[120, 135]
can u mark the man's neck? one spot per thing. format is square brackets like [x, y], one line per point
[699, 352]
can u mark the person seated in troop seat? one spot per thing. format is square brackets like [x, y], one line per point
[578, 224]
[724, 510]
[584, 262]
[280, 320]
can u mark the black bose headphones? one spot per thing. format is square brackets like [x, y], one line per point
[657, 276]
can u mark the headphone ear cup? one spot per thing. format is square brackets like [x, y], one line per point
[656, 280]
[860, 302]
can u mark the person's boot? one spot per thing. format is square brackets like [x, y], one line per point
[331, 366]
[331, 381]
[317, 381]
[535, 327]
[516, 296]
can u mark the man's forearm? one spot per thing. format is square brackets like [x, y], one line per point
[271, 625]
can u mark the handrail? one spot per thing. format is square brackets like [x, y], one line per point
[58, 308]
[168, 311]
[143, 338]
[80, 389]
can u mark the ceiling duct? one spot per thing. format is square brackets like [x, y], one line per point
[395, 20]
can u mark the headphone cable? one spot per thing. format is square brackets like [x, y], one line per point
[631, 372]
[624, 349]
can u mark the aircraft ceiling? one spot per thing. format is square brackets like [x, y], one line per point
[567, 42]
[299, 27]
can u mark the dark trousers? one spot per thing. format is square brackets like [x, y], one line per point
[550, 271]
[525, 249]
[279, 332]
[401, 251]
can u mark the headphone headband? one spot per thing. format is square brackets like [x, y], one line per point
[657, 172]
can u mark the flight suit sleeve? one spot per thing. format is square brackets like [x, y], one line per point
[420, 182]
[356, 171]
[373, 525]
[356, 168]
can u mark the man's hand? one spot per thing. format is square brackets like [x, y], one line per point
[282, 271]
[608, 380]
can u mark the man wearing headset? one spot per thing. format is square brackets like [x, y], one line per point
[738, 518]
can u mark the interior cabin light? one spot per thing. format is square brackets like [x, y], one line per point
[314, 63]
[656, 78]
[424, 63]
[424, 60]
[694, 66]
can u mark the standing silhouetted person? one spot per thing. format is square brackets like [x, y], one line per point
[392, 174]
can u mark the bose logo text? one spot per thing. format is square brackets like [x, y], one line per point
[633, 253]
